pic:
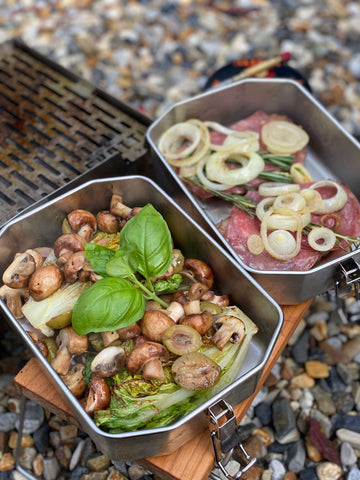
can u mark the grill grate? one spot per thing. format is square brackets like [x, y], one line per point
[54, 127]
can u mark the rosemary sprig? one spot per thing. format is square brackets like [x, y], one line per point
[276, 176]
[281, 161]
[239, 201]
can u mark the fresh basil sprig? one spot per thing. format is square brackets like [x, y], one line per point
[118, 299]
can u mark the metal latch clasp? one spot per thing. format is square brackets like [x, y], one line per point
[347, 277]
[225, 437]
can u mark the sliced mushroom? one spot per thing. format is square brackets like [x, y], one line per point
[146, 352]
[118, 208]
[76, 344]
[99, 395]
[74, 380]
[83, 223]
[181, 339]
[107, 222]
[200, 271]
[18, 273]
[62, 360]
[45, 281]
[196, 371]
[66, 245]
[230, 329]
[109, 361]
[201, 322]
[13, 298]
[154, 323]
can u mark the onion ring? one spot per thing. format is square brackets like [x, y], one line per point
[273, 189]
[216, 168]
[325, 236]
[283, 137]
[204, 180]
[334, 203]
[300, 174]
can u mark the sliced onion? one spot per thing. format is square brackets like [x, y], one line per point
[283, 137]
[321, 239]
[273, 189]
[313, 199]
[300, 174]
[189, 171]
[261, 207]
[282, 242]
[278, 252]
[204, 180]
[288, 222]
[292, 200]
[216, 168]
[171, 140]
[334, 203]
[219, 128]
[255, 244]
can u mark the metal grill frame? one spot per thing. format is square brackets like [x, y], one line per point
[55, 128]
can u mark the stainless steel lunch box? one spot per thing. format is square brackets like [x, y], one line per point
[42, 225]
[332, 153]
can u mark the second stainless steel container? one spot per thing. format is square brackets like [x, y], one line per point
[332, 153]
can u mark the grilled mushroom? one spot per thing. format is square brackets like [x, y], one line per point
[154, 323]
[181, 339]
[109, 361]
[45, 281]
[83, 223]
[66, 245]
[201, 322]
[118, 208]
[18, 273]
[74, 380]
[200, 271]
[230, 329]
[196, 371]
[148, 357]
[13, 299]
[99, 395]
[107, 222]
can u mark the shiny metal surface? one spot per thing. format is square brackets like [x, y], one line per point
[42, 226]
[332, 153]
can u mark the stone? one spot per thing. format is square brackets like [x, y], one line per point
[343, 402]
[324, 400]
[264, 413]
[33, 418]
[277, 469]
[322, 443]
[26, 440]
[38, 465]
[7, 462]
[296, 456]
[27, 456]
[309, 473]
[349, 436]
[316, 369]
[303, 381]
[328, 471]
[68, 432]
[98, 462]
[300, 349]
[354, 474]
[76, 456]
[352, 347]
[283, 418]
[116, 475]
[51, 468]
[347, 455]
[312, 451]
[8, 421]
[351, 422]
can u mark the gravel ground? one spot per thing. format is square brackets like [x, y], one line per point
[305, 422]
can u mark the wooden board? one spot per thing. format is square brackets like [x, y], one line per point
[195, 459]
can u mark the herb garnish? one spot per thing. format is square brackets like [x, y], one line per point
[118, 299]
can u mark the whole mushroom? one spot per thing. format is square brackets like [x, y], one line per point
[99, 395]
[83, 223]
[199, 271]
[13, 298]
[154, 323]
[45, 281]
[66, 245]
[107, 222]
[148, 358]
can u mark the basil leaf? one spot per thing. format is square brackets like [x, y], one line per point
[123, 266]
[109, 304]
[99, 256]
[148, 234]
